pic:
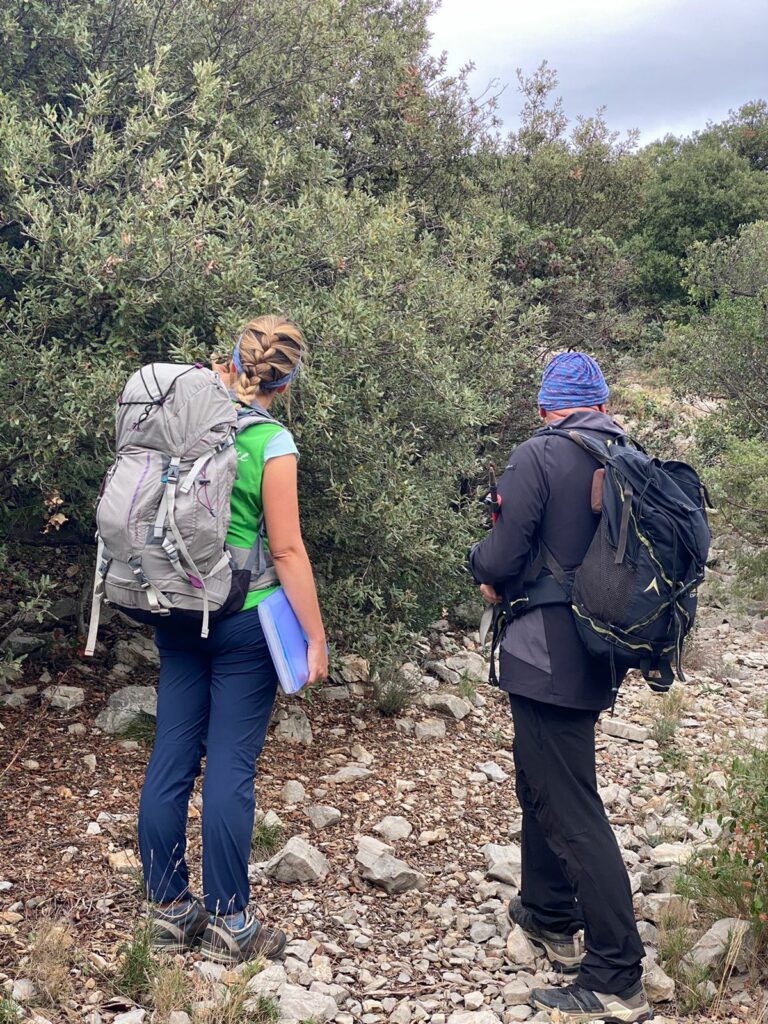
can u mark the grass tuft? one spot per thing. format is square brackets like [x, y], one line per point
[676, 939]
[9, 1011]
[137, 968]
[142, 729]
[170, 989]
[267, 838]
[50, 960]
[671, 708]
[393, 691]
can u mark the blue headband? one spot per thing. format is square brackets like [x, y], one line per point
[266, 385]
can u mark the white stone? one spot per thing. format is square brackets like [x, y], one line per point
[125, 706]
[624, 730]
[179, 1017]
[520, 952]
[657, 905]
[394, 827]
[322, 815]
[666, 854]
[482, 931]
[430, 729]
[354, 669]
[712, 947]
[504, 863]
[470, 665]
[447, 704]
[659, 987]
[492, 771]
[23, 990]
[293, 727]
[65, 697]
[293, 792]
[349, 773]
[383, 870]
[298, 861]
[123, 861]
[90, 762]
[268, 981]
[484, 1016]
[296, 1003]
[134, 1016]
[474, 1000]
[516, 992]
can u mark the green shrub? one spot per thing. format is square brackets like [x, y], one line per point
[136, 968]
[393, 690]
[733, 880]
[267, 838]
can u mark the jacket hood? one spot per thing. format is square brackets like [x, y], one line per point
[590, 420]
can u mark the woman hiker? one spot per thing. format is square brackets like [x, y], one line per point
[215, 695]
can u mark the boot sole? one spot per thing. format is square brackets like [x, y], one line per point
[615, 1015]
[224, 956]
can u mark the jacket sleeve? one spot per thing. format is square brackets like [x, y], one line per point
[503, 554]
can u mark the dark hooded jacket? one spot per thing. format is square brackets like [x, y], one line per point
[545, 495]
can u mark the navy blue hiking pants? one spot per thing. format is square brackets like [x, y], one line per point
[215, 698]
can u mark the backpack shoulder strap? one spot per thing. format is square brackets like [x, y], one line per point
[246, 417]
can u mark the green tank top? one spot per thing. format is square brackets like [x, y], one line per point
[245, 502]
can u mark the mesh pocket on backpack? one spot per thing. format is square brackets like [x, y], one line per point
[601, 587]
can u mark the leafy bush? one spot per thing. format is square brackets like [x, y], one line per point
[147, 213]
[393, 690]
[733, 881]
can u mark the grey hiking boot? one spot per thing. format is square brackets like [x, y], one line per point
[226, 945]
[576, 1005]
[178, 932]
[564, 951]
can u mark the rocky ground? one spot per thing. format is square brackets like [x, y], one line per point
[395, 838]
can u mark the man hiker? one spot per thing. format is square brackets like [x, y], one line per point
[573, 875]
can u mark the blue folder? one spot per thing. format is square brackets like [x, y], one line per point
[286, 640]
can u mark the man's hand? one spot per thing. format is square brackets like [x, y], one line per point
[489, 594]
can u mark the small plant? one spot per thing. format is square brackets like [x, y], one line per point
[467, 687]
[49, 961]
[263, 1011]
[142, 729]
[676, 940]
[393, 691]
[11, 667]
[238, 1006]
[137, 969]
[9, 1011]
[170, 989]
[670, 710]
[267, 837]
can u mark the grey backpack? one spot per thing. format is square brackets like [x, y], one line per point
[163, 511]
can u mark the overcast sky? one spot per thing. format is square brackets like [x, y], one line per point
[657, 65]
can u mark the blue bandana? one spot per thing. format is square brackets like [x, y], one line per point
[570, 380]
[266, 385]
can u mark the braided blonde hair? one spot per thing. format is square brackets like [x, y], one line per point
[270, 347]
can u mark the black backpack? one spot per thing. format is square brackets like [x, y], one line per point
[634, 595]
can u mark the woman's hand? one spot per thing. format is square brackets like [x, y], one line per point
[317, 659]
[489, 594]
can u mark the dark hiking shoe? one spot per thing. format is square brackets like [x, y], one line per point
[564, 951]
[173, 932]
[576, 1005]
[226, 945]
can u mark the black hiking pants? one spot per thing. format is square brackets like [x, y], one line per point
[573, 874]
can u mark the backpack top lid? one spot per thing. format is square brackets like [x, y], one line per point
[181, 410]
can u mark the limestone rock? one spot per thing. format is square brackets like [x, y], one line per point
[293, 727]
[520, 952]
[354, 669]
[298, 861]
[293, 792]
[393, 827]
[470, 665]
[349, 773]
[666, 854]
[657, 905]
[430, 729]
[492, 771]
[296, 1003]
[504, 863]
[713, 946]
[123, 861]
[385, 871]
[322, 815]
[624, 730]
[268, 981]
[134, 1016]
[125, 706]
[485, 1016]
[137, 652]
[659, 987]
[447, 704]
[65, 697]
[24, 990]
